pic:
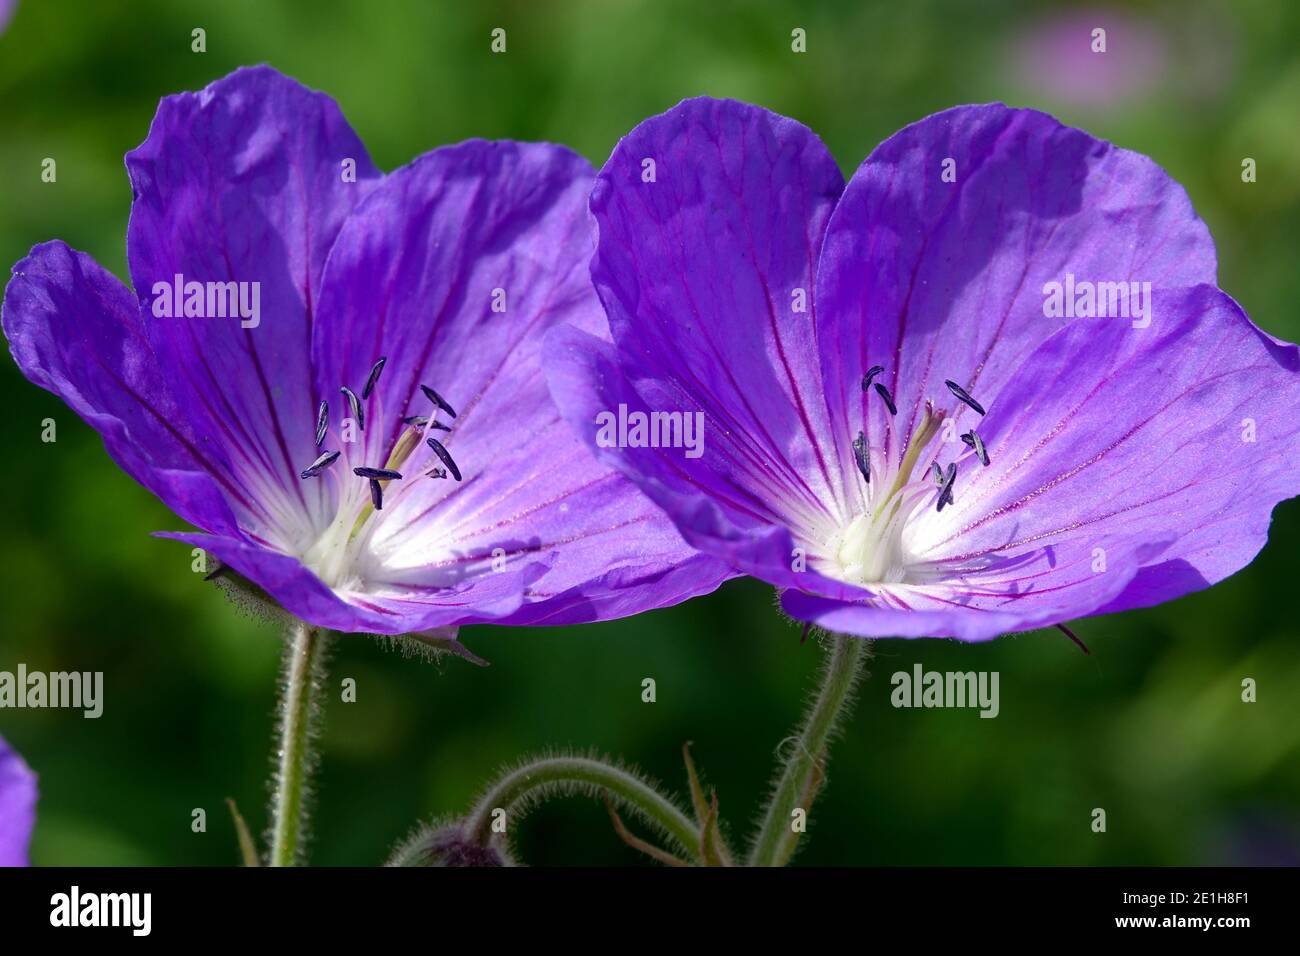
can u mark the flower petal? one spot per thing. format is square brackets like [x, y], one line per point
[586, 382]
[453, 270]
[74, 330]
[294, 587]
[247, 182]
[17, 807]
[937, 279]
[705, 270]
[1034, 587]
[1187, 428]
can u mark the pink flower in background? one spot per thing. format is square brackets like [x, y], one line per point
[1054, 57]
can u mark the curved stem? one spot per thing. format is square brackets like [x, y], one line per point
[299, 727]
[581, 774]
[803, 771]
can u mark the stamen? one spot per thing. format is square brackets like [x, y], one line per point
[355, 404]
[319, 465]
[438, 400]
[889, 399]
[863, 457]
[963, 395]
[945, 493]
[376, 494]
[871, 373]
[436, 473]
[381, 474]
[445, 456]
[938, 474]
[973, 440]
[374, 376]
[322, 422]
[419, 421]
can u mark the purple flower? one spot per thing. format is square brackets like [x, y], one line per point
[305, 329]
[17, 807]
[7, 8]
[912, 427]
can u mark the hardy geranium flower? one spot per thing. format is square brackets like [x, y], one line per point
[988, 386]
[336, 374]
[17, 807]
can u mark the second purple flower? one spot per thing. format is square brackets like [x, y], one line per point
[988, 386]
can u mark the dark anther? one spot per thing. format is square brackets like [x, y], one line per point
[419, 421]
[376, 494]
[355, 405]
[973, 440]
[319, 465]
[374, 376]
[438, 400]
[445, 456]
[382, 474]
[963, 395]
[322, 422]
[889, 399]
[436, 473]
[945, 493]
[860, 454]
[871, 373]
[938, 474]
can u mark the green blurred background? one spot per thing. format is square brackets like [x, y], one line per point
[1149, 727]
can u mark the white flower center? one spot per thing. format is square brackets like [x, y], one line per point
[873, 548]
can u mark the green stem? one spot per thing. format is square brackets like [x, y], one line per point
[803, 770]
[299, 726]
[519, 788]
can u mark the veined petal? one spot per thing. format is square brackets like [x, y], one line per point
[937, 256]
[1186, 428]
[710, 218]
[588, 384]
[453, 270]
[74, 330]
[296, 588]
[246, 182]
[998, 593]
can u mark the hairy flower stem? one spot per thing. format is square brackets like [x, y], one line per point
[804, 769]
[299, 726]
[581, 774]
